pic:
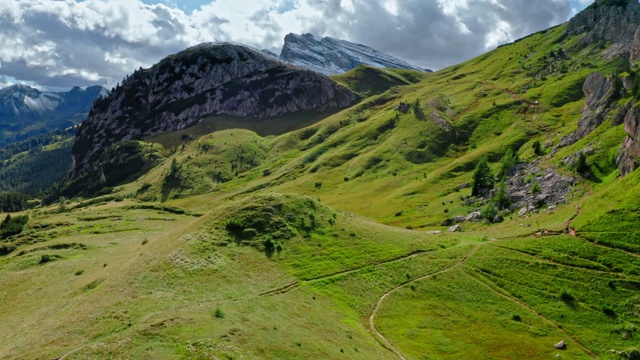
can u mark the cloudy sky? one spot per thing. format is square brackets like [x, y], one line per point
[56, 44]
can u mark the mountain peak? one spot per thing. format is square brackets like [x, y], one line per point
[207, 81]
[332, 56]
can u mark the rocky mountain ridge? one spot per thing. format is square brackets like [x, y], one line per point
[203, 81]
[332, 56]
[22, 106]
[613, 21]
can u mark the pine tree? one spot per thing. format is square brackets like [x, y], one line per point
[501, 199]
[537, 148]
[482, 178]
[103, 179]
[62, 205]
[509, 159]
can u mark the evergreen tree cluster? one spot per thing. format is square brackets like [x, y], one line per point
[484, 182]
[13, 202]
[12, 225]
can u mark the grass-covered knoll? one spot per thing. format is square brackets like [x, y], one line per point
[368, 81]
[313, 241]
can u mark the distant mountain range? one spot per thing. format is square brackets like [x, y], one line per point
[331, 56]
[25, 111]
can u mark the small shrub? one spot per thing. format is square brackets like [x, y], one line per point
[516, 317]
[529, 178]
[609, 311]
[45, 258]
[145, 241]
[218, 314]
[535, 188]
[144, 187]
[298, 344]
[79, 272]
[318, 184]
[489, 212]
[566, 297]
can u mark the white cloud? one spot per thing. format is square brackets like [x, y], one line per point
[83, 42]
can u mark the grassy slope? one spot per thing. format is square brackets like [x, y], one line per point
[493, 291]
[369, 81]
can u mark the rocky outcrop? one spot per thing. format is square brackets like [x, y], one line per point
[532, 188]
[599, 91]
[635, 49]
[629, 154]
[203, 81]
[612, 21]
[331, 56]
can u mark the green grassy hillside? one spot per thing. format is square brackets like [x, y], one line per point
[369, 81]
[327, 241]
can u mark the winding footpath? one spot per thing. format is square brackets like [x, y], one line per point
[296, 283]
[381, 338]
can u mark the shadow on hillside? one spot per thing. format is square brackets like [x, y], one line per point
[263, 127]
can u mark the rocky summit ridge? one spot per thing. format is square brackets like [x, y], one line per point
[220, 79]
[614, 21]
[332, 56]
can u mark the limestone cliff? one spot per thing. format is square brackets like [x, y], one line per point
[612, 21]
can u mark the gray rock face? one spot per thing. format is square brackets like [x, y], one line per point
[455, 228]
[598, 90]
[635, 48]
[203, 81]
[629, 153]
[474, 216]
[331, 56]
[616, 23]
[553, 188]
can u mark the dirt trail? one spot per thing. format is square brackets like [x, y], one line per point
[386, 343]
[567, 225]
[379, 337]
[294, 284]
